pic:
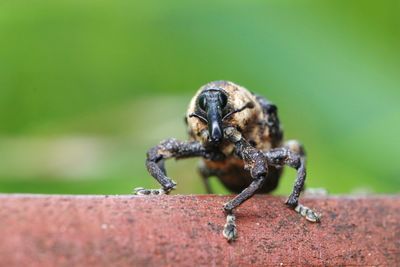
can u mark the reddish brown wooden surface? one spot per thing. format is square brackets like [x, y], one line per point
[186, 231]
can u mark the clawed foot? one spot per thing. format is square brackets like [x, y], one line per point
[230, 232]
[304, 211]
[308, 213]
[142, 191]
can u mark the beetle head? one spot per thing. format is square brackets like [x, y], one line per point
[210, 105]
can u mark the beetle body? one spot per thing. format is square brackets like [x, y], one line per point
[255, 123]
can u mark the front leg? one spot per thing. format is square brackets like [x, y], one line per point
[170, 148]
[255, 162]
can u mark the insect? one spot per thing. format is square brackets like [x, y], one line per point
[239, 137]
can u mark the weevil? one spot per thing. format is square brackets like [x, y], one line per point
[239, 137]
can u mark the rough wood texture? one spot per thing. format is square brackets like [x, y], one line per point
[186, 231]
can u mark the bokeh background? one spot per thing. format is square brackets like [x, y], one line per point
[86, 87]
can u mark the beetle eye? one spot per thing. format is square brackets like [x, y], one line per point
[223, 100]
[202, 102]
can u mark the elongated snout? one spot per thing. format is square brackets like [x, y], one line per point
[216, 133]
[215, 124]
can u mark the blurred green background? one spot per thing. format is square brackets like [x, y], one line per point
[86, 87]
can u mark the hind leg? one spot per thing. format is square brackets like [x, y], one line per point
[205, 174]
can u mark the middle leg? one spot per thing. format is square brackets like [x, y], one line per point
[286, 156]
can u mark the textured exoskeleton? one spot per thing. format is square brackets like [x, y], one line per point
[238, 135]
